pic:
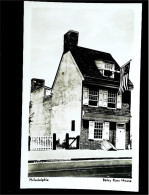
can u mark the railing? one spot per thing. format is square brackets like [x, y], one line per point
[41, 143]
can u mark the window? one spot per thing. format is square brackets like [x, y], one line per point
[105, 68]
[73, 125]
[108, 70]
[111, 99]
[98, 130]
[108, 66]
[93, 97]
[108, 73]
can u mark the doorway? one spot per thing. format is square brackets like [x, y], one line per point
[120, 136]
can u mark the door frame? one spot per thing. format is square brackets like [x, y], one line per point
[123, 148]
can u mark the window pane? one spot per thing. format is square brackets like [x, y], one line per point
[93, 97]
[93, 103]
[111, 99]
[107, 73]
[98, 129]
[108, 66]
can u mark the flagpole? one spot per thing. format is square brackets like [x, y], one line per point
[124, 79]
[121, 67]
[126, 63]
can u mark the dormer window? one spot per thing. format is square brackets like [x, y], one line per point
[106, 69]
[108, 66]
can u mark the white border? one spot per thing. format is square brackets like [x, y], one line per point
[76, 183]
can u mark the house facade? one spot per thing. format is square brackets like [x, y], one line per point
[85, 98]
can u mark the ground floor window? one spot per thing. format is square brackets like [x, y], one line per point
[98, 130]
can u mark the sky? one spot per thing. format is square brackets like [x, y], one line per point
[101, 28]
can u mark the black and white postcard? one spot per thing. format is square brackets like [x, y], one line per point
[81, 96]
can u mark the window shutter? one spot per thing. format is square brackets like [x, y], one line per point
[85, 95]
[105, 98]
[100, 97]
[106, 131]
[91, 130]
[119, 101]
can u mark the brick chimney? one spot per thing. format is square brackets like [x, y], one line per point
[70, 40]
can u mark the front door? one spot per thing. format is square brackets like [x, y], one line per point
[120, 136]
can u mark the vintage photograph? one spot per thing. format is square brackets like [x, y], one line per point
[81, 87]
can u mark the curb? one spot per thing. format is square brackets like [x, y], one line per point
[77, 159]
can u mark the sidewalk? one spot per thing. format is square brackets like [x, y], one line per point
[69, 155]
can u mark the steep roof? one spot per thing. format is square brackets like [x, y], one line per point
[85, 59]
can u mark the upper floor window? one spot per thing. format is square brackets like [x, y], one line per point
[93, 97]
[102, 98]
[106, 69]
[111, 99]
[108, 66]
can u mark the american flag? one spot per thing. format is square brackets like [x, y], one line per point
[124, 76]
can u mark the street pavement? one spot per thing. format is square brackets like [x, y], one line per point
[63, 155]
[80, 163]
[120, 168]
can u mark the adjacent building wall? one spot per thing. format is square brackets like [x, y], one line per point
[66, 99]
[40, 113]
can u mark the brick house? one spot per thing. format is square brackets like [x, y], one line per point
[85, 101]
